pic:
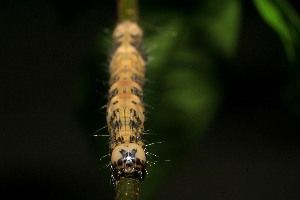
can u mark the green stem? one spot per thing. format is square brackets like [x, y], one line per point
[128, 189]
[128, 10]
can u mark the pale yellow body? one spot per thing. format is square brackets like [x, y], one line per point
[125, 110]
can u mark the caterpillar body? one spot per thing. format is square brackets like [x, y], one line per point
[125, 108]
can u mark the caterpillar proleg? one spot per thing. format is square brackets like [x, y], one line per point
[125, 107]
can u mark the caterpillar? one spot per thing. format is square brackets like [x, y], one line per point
[125, 109]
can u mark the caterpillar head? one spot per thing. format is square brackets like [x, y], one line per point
[128, 160]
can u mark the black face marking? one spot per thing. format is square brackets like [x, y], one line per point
[120, 162]
[128, 164]
[126, 155]
[138, 161]
[133, 152]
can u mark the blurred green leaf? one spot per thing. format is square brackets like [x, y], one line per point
[284, 20]
[221, 23]
[185, 51]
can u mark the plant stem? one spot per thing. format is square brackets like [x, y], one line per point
[128, 10]
[128, 189]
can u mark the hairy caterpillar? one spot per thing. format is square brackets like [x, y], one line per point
[125, 108]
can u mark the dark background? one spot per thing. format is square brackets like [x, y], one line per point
[250, 149]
